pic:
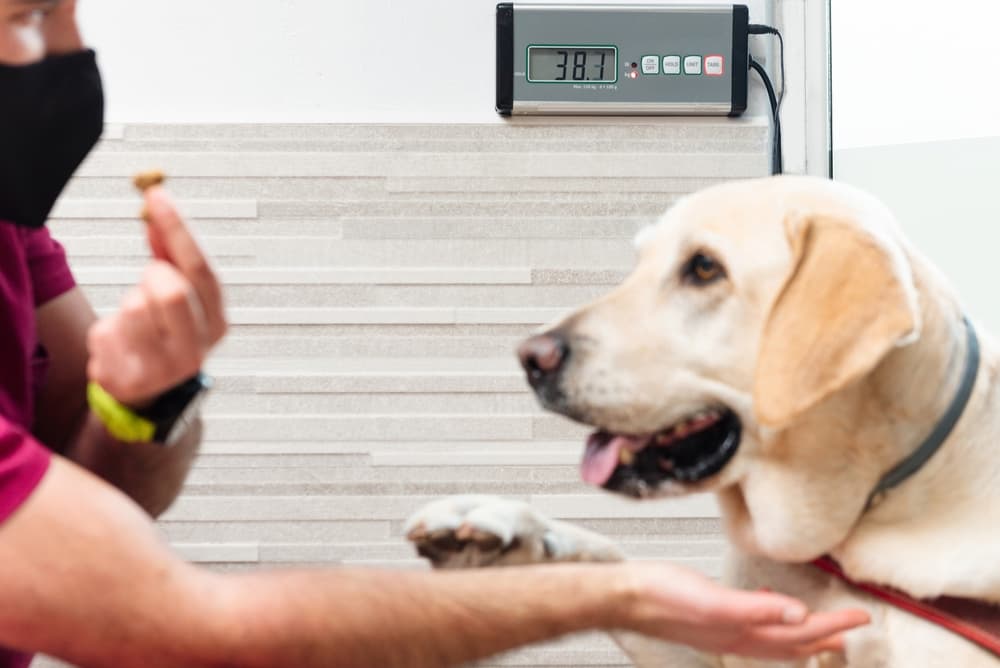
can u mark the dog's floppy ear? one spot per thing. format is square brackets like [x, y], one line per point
[848, 300]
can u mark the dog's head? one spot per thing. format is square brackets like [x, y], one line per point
[752, 304]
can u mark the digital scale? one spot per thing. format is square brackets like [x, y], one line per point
[622, 59]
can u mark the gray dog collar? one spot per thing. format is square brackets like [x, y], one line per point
[942, 429]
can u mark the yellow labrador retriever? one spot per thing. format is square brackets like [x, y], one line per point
[781, 345]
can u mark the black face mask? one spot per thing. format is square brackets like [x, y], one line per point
[51, 116]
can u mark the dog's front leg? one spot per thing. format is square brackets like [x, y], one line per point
[481, 531]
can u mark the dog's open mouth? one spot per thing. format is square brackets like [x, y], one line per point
[692, 450]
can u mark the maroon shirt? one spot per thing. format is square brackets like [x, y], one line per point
[33, 270]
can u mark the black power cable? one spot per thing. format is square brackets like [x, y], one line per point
[777, 166]
[776, 163]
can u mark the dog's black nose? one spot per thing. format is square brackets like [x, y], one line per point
[542, 356]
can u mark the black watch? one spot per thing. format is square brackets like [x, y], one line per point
[175, 410]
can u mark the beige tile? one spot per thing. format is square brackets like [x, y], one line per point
[379, 280]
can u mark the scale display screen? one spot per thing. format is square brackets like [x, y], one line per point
[654, 58]
[552, 64]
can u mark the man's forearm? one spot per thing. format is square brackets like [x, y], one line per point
[89, 544]
[361, 619]
[149, 473]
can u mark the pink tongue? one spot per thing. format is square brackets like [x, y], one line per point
[601, 460]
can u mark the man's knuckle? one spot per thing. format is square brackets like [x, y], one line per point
[192, 355]
[174, 298]
[119, 385]
[98, 334]
[128, 385]
[220, 330]
[134, 306]
[168, 219]
[154, 271]
[201, 269]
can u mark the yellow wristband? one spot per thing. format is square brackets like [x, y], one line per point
[118, 419]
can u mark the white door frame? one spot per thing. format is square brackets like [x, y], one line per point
[806, 112]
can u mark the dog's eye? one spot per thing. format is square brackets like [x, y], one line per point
[703, 269]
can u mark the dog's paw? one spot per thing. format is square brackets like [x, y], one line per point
[477, 531]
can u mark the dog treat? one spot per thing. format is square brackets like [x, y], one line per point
[148, 179]
[145, 180]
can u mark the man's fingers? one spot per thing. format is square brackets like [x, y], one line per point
[819, 627]
[120, 349]
[177, 312]
[136, 323]
[779, 649]
[833, 644]
[166, 324]
[172, 241]
[169, 232]
[155, 240]
[739, 608]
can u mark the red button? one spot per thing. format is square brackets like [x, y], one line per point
[714, 65]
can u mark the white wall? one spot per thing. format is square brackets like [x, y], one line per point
[291, 60]
[298, 61]
[925, 135]
[903, 73]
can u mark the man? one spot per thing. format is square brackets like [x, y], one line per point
[86, 577]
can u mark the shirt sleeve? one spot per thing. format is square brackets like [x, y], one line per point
[50, 272]
[23, 463]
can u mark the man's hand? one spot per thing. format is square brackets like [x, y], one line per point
[679, 605]
[168, 323]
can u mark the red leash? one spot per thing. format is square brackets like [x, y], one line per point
[976, 621]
